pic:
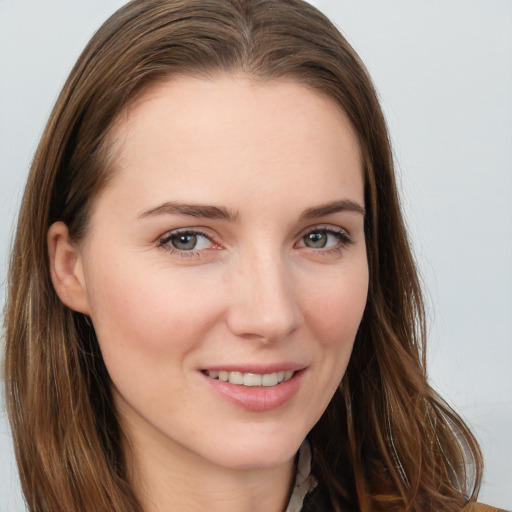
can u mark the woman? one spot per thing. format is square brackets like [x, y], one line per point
[211, 230]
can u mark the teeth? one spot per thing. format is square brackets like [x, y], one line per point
[288, 375]
[251, 379]
[269, 379]
[236, 377]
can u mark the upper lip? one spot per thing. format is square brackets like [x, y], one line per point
[260, 369]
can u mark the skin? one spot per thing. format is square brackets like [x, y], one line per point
[254, 290]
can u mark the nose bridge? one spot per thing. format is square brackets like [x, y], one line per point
[264, 303]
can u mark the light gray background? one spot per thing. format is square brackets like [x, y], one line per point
[443, 69]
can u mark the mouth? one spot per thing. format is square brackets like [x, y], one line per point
[251, 379]
[254, 391]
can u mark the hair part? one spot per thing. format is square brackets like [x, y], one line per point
[386, 441]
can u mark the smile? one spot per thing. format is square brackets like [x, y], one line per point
[251, 379]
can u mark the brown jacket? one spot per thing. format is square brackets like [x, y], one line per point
[317, 502]
[479, 507]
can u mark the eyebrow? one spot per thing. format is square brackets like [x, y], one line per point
[345, 205]
[221, 213]
[191, 210]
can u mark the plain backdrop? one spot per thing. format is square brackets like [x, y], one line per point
[443, 70]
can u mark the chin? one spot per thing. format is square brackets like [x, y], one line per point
[270, 452]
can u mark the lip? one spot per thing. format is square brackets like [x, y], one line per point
[257, 368]
[258, 398]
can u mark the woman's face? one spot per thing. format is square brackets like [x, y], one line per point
[229, 245]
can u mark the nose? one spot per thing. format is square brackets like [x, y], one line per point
[264, 303]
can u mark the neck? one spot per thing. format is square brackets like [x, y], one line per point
[169, 477]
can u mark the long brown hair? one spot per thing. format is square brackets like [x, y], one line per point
[386, 441]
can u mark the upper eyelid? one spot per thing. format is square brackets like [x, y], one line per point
[192, 231]
[325, 227]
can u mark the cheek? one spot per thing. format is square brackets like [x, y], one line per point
[335, 308]
[147, 314]
[334, 312]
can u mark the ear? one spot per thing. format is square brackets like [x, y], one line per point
[66, 268]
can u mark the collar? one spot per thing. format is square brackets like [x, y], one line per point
[304, 480]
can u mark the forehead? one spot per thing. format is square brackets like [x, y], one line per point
[193, 133]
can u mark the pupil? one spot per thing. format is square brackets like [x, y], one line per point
[316, 240]
[184, 242]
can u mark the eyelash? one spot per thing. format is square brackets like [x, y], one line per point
[344, 240]
[166, 239]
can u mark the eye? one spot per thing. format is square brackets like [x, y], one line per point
[325, 238]
[186, 241]
[316, 240]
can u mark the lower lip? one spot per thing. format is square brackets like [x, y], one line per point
[257, 398]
